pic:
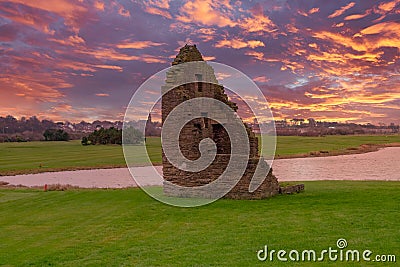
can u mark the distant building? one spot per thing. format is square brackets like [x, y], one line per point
[296, 122]
[312, 122]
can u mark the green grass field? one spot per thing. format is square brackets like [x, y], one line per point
[47, 156]
[128, 228]
[296, 145]
[32, 157]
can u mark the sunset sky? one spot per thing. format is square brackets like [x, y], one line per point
[82, 59]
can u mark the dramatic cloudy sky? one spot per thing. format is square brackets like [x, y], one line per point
[83, 59]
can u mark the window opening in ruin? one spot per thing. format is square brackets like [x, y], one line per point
[198, 126]
[199, 79]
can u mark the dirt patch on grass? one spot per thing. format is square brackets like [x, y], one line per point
[7, 185]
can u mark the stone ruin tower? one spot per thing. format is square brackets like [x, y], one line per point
[200, 128]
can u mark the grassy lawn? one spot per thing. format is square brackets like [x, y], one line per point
[45, 156]
[40, 156]
[293, 145]
[128, 228]
[34, 157]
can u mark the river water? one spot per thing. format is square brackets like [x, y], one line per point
[379, 165]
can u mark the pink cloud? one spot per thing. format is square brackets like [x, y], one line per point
[71, 11]
[138, 44]
[157, 11]
[261, 79]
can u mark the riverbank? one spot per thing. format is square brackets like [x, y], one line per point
[380, 165]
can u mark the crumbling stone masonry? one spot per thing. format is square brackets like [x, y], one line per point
[201, 128]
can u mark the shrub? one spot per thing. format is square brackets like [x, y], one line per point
[55, 135]
[103, 137]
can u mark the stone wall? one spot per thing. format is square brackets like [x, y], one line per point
[201, 128]
[291, 189]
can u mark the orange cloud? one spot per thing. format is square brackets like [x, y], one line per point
[60, 112]
[319, 96]
[261, 79]
[111, 54]
[341, 24]
[206, 31]
[70, 41]
[333, 106]
[343, 58]
[389, 37]
[99, 5]
[341, 40]
[292, 65]
[123, 12]
[57, 6]
[33, 87]
[358, 16]
[375, 99]
[313, 10]
[260, 56]
[384, 27]
[77, 66]
[239, 43]
[138, 44]
[301, 12]
[291, 28]
[158, 3]
[110, 67]
[206, 34]
[258, 23]
[158, 7]
[62, 108]
[388, 6]
[36, 21]
[208, 58]
[350, 66]
[341, 10]
[313, 45]
[255, 54]
[206, 12]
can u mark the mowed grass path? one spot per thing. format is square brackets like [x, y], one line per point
[128, 228]
[34, 157]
